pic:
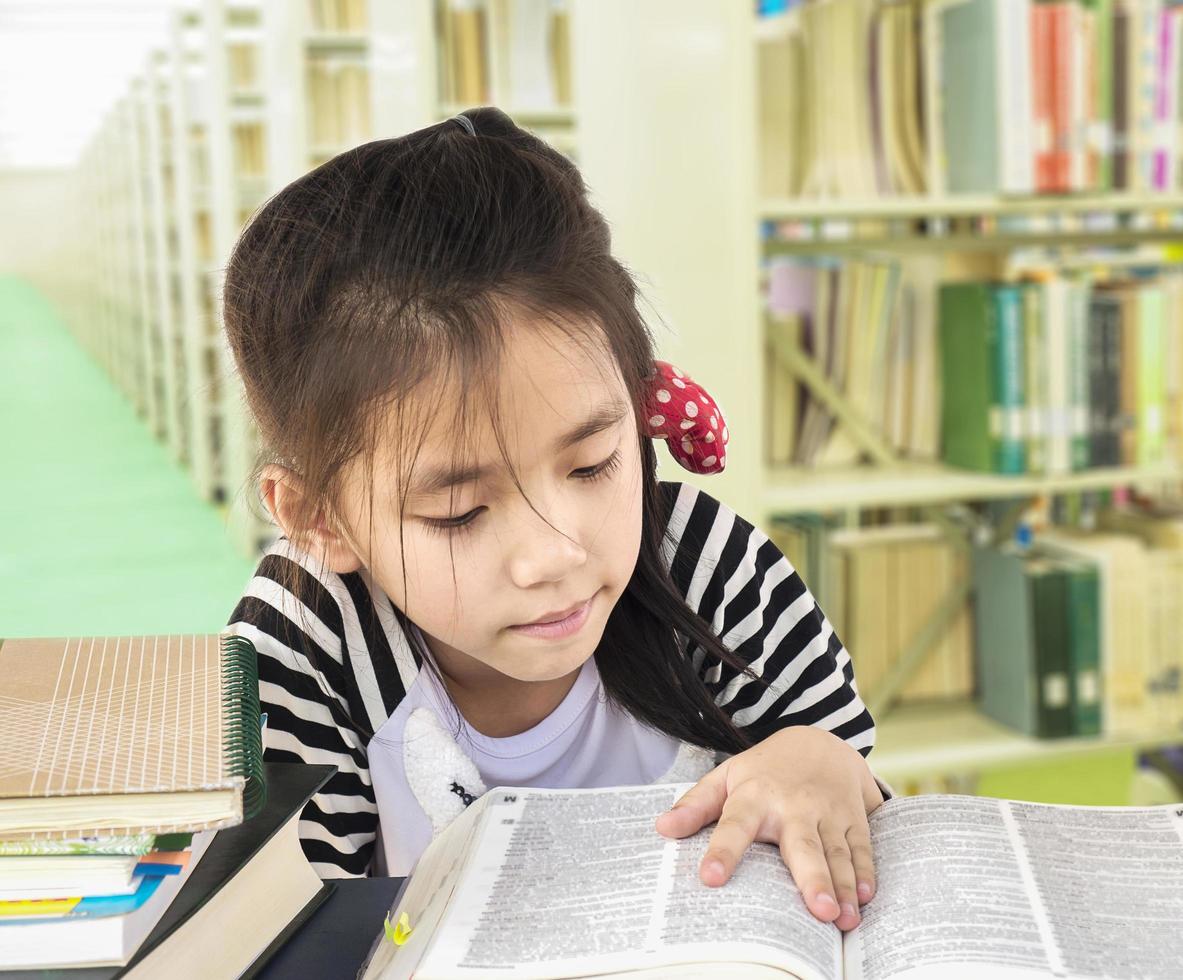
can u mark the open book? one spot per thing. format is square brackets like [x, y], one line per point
[564, 883]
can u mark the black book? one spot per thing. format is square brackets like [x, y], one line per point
[233, 907]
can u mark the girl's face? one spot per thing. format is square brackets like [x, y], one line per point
[570, 430]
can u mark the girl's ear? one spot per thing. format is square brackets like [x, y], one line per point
[282, 491]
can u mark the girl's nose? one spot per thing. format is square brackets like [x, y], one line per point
[542, 553]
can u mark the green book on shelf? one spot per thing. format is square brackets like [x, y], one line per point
[1084, 645]
[982, 370]
[1035, 337]
[1010, 380]
[966, 315]
[1021, 631]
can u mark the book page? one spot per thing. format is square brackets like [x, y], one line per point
[996, 888]
[424, 897]
[571, 882]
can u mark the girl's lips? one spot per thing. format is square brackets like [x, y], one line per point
[560, 628]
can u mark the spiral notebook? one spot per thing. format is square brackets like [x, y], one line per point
[106, 735]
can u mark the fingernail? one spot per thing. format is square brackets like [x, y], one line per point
[715, 868]
[847, 908]
[864, 891]
[826, 899]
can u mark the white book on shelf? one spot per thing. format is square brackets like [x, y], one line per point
[1059, 422]
[528, 65]
[1015, 124]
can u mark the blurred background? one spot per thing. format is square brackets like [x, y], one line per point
[926, 255]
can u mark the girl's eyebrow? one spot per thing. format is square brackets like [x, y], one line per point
[444, 477]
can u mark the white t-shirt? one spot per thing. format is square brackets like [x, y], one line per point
[424, 776]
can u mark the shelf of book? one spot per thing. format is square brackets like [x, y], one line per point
[159, 230]
[918, 207]
[190, 119]
[236, 146]
[854, 238]
[794, 490]
[915, 741]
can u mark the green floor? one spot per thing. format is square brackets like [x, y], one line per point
[102, 532]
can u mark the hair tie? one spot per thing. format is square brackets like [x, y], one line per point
[680, 411]
[465, 122]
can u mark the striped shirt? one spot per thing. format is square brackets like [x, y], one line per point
[336, 657]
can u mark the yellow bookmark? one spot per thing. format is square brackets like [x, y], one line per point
[400, 933]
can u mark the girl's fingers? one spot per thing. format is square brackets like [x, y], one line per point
[698, 806]
[802, 851]
[858, 837]
[743, 813]
[841, 864]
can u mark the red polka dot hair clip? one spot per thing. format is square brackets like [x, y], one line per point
[681, 412]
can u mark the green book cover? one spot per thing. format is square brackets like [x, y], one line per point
[1004, 661]
[1009, 374]
[1047, 585]
[1084, 645]
[966, 318]
[133, 845]
[1035, 335]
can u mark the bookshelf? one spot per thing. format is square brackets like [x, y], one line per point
[924, 484]
[191, 115]
[141, 230]
[160, 230]
[932, 740]
[703, 183]
[237, 161]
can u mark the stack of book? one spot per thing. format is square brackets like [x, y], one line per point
[878, 586]
[339, 15]
[339, 102]
[870, 327]
[1078, 633]
[1060, 374]
[516, 54]
[127, 762]
[1048, 374]
[1069, 631]
[1011, 97]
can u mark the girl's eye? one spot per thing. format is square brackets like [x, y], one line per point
[453, 525]
[600, 470]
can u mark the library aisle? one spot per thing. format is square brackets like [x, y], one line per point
[103, 533]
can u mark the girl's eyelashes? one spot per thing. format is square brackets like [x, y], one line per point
[601, 469]
[451, 525]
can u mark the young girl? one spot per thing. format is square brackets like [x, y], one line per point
[480, 580]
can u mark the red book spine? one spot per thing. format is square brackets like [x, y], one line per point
[1041, 93]
[1062, 79]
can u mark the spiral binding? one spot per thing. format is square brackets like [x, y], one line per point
[240, 713]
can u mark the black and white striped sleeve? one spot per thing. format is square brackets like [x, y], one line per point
[304, 687]
[738, 580]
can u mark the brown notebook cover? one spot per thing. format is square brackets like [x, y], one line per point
[104, 717]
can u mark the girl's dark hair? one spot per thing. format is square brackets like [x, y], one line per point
[403, 258]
